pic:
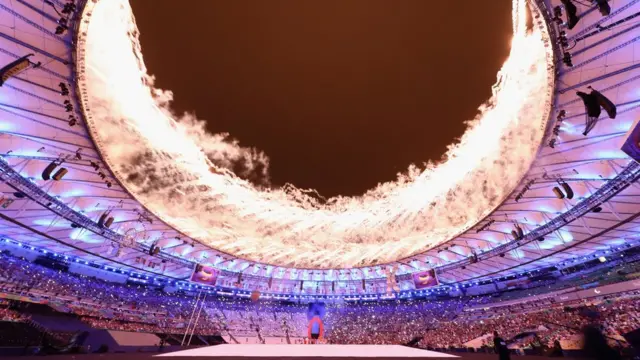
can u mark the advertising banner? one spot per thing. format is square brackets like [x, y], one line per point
[631, 145]
[204, 274]
[425, 279]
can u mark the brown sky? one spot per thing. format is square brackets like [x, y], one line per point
[341, 94]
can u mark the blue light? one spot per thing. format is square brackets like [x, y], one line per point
[5, 126]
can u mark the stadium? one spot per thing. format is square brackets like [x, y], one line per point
[113, 239]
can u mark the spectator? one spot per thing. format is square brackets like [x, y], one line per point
[500, 347]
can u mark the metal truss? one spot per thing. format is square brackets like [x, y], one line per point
[629, 175]
[13, 179]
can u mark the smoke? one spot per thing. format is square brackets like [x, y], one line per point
[197, 182]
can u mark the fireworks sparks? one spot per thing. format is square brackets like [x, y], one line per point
[178, 171]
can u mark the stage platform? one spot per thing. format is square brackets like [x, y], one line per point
[291, 351]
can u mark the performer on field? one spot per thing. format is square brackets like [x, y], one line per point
[316, 329]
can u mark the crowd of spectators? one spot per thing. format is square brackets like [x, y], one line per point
[130, 307]
[440, 325]
[391, 323]
[615, 316]
[436, 324]
[7, 314]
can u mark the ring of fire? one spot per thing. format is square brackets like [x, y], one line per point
[177, 170]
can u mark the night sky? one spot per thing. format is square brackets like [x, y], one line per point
[341, 94]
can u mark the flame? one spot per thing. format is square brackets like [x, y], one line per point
[168, 162]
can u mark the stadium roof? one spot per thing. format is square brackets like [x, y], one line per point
[571, 195]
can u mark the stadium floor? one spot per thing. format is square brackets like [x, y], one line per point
[317, 352]
[290, 352]
[150, 356]
[307, 351]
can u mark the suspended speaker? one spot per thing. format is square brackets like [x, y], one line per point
[568, 190]
[572, 13]
[101, 220]
[559, 194]
[605, 103]
[14, 68]
[46, 174]
[60, 174]
[591, 103]
[154, 250]
[520, 232]
[514, 234]
[604, 7]
[108, 222]
[592, 110]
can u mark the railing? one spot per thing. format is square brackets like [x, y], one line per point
[60, 338]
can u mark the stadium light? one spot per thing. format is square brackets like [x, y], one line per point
[567, 60]
[557, 15]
